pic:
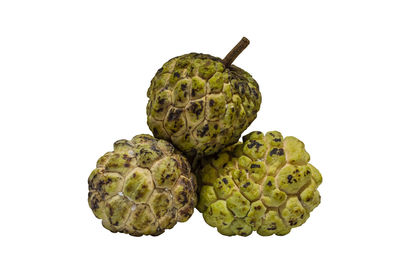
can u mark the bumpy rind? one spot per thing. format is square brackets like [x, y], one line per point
[142, 187]
[265, 184]
[200, 105]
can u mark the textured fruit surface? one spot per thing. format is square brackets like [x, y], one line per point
[142, 188]
[264, 184]
[200, 105]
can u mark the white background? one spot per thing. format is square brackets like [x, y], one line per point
[73, 79]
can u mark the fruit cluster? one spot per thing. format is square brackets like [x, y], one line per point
[199, 105]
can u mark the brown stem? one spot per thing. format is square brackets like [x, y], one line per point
[235, 52]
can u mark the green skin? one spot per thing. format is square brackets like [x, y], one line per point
[142, 188]
[200, 105]
[264, 184]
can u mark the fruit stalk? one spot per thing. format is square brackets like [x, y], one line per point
[235, 52]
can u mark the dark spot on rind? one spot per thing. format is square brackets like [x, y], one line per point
[186, 212]
[193, 93]
[254, 143]
[272, 226]
[111, 211]
[154, 148]
[182, 63]
[225, 180]
[254, 92]
[246, 184]
[159, 71]
[174, 115]
[91, 184]
[277, 140]
[183, 199]
[276, 151]
[255, 166]
[177, 75]
[161, 101]
[269, 183]
[184, 168]
[94, 203]
[196, 108]
[289, 179]
[212, 102]
[141, 192]
[202, 132]
[115, 224]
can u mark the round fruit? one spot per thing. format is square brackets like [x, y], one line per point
[264, 184]
[142, 187]
[202, 103]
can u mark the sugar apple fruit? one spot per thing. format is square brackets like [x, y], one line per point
[202, 103]
[264, 184]
[142, 187]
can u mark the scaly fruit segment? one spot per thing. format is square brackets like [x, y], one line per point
[142, 187]
[202, 103]
[265, 184]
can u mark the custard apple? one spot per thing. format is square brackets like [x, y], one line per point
[201, 103]
[142, 187]
[265, 184]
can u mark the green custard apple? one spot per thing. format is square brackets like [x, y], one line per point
[142, 187]
[201, 103]
[265, 184]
